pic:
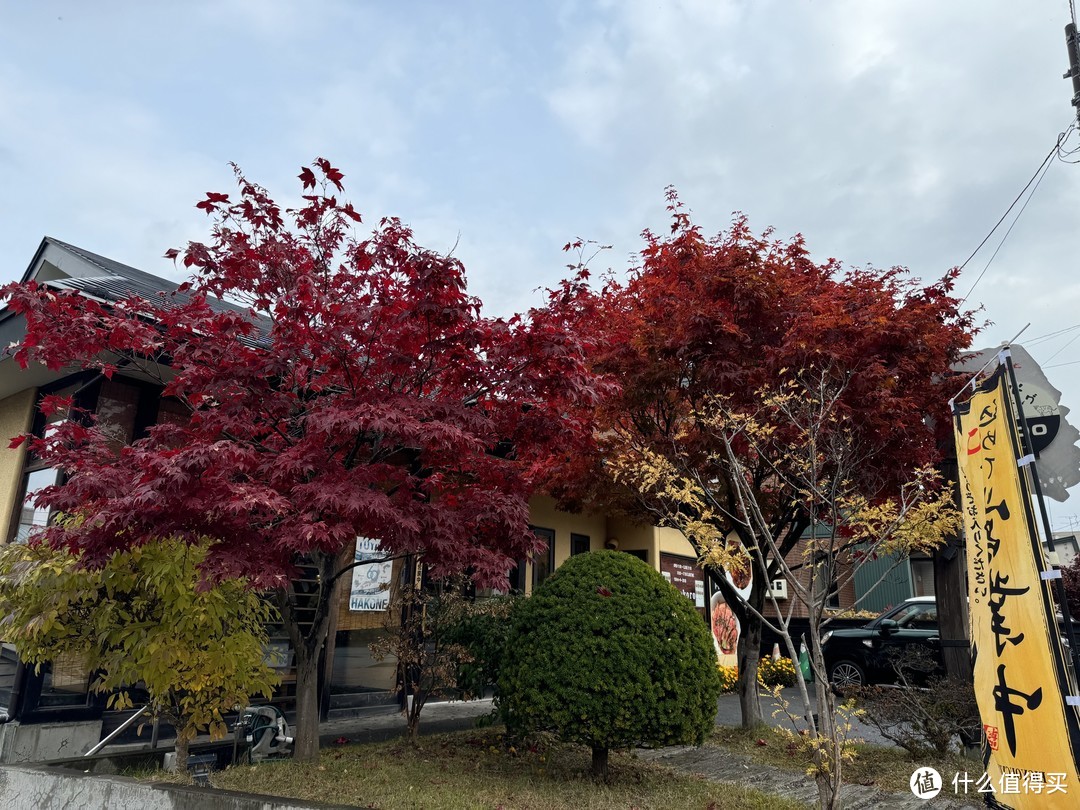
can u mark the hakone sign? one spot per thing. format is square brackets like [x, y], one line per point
[371, 582]
[1017, 657]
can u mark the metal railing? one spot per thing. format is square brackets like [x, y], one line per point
[118, 731]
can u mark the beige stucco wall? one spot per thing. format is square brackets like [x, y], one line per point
[602, 530]
[635, 537]
[542, 513]
[672, 541]
[16, 415]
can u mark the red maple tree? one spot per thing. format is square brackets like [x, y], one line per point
[703, 320]
[346, 387]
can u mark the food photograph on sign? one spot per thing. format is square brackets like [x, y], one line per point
[725, 626]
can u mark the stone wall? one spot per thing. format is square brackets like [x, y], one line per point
[26, 787]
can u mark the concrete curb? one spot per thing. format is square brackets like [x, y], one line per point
[33, 787]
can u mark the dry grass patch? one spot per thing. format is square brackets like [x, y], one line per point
[480, 769]
[883, 767]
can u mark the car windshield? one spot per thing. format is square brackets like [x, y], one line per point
[918, 616]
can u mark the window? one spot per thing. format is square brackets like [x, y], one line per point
[124, 409]
[516, 578]
[922, 576]
[544, 562]
[579, 543]
[824, 576]
[917, 616]
[117, 406]
[33, 519]
[833, 598]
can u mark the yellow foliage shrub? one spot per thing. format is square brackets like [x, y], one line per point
[729, 678]
[776, 672]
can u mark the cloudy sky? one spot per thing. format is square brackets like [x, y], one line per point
[888, 132]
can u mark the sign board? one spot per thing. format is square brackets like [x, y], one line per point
[723, 622]
[370, 583]
[1018, 662]
[685, 575]
[1052, 437]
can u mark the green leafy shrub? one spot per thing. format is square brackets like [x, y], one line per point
[608, 654]
[482, 631]
[774, 672]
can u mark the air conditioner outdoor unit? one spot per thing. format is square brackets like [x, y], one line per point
[778, 588]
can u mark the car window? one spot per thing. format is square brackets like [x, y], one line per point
[925, 619]
[916, 616]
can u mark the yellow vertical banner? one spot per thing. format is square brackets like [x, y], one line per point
[1017, 657]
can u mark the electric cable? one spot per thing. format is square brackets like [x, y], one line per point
[1059, 351]
[1044, 168]
[1012, 205]
[1049, 335]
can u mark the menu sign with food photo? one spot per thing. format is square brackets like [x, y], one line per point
[725, 627]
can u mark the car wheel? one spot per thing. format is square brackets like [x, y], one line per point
[846, 675]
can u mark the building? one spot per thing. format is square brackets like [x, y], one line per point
[887, 581]
[1066, 549]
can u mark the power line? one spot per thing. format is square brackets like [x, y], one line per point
[1043, 168]
[1012, 205]
[1049, 335]
[1059, 351]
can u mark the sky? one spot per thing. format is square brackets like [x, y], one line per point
[886, 132]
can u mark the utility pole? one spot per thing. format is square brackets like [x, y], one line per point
[1074, 60]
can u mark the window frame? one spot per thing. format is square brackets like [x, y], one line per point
[549, 557]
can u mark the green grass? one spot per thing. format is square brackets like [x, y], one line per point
[884, 768]
[478, 769]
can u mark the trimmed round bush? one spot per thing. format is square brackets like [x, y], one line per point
[608, 654]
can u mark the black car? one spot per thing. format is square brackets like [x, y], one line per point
[907, 634]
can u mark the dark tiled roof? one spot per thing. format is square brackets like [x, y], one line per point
[119, 281]
[114, 288]
[139, 279]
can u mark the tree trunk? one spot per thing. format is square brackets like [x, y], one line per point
[828, 797]
[600, 764]
[306, 743]
[828, 756]
[332, 612]
[412, 693]
[748, 652]
[749, 655]
[181, 748]
[307, 630]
